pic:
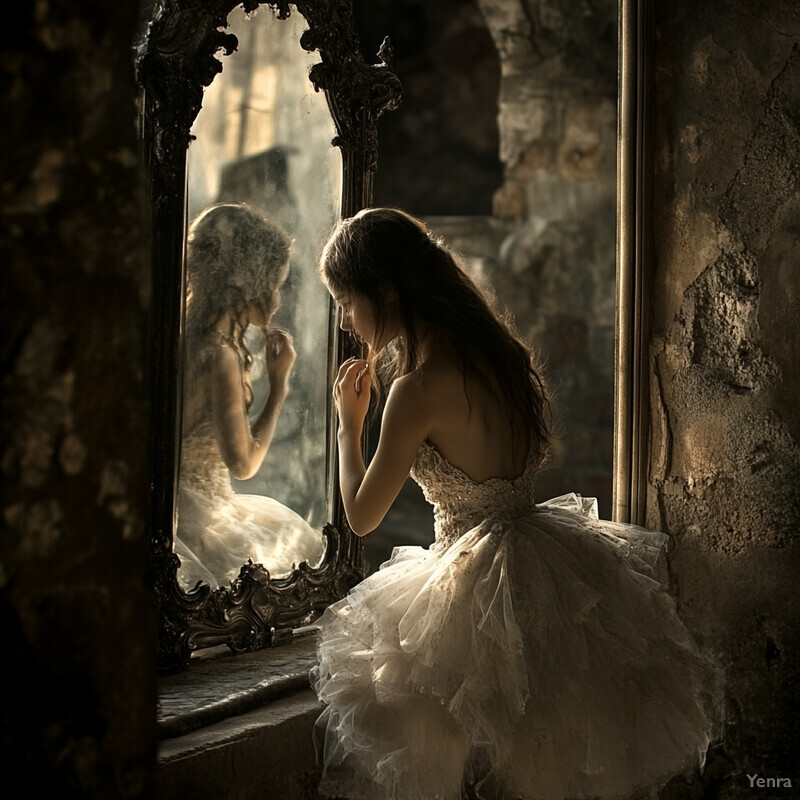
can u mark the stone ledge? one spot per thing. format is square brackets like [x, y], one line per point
[218, 685]
[267, 753]
[302, 708]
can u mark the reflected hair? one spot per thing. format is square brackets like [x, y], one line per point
[384, 253]
[235, 257]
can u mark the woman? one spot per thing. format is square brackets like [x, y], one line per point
[237, 259]
[529, 653]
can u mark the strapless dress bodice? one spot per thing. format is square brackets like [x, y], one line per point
[202, 467]
[460, 503]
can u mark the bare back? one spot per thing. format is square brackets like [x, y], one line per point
[469, 426]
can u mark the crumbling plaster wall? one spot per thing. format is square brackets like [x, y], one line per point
[725, 372]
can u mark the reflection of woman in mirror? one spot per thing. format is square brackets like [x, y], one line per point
[530, 651]
[237, 259]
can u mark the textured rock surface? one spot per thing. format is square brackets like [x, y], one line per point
[556, 268]
[725, 463]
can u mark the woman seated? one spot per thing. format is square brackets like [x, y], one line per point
[237, 259]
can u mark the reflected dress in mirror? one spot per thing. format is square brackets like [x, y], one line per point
[237, 259]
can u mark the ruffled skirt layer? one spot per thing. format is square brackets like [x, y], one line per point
[535, 657]
[217, 535]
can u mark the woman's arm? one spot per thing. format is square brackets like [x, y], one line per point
[244, 448]
[368, 493]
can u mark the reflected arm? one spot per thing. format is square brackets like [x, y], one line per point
[243, 448]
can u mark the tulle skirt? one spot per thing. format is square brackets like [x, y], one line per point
[217, 535]
[536, 657]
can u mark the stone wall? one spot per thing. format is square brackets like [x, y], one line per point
[556, 270]
[725, 464]
[78, 716]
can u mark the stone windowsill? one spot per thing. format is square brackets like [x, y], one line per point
[217, 684]
[240, 726]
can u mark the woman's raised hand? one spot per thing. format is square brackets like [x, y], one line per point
[351, 393]
[280, 355]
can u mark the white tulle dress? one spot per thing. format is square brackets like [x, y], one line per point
[219, 529]
[529, 653]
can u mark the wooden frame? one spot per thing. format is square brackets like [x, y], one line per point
[634, 264]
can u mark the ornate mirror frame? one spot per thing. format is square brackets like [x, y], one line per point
[175, 62]
[634, 263]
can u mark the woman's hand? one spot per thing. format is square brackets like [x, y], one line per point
[351, 393]
[280, 355]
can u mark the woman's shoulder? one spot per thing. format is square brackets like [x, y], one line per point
[427, 379]
[215, 362]
[409, 389]
[219, 352]
[433, 388]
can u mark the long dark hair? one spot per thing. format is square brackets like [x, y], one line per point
[384, 251]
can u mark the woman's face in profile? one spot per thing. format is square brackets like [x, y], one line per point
[260, 313]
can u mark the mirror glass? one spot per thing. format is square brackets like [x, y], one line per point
[262, 175]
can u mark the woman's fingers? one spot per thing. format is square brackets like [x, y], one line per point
[280, 354]
[361, 373]
[276, 339]
[350, 369]
[351, 393]
[348, 381]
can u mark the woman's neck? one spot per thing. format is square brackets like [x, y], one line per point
[431, 346]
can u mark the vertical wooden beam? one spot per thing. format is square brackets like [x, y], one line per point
[634, 264]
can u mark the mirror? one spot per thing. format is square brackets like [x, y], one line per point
[243, 149]
[263, 184]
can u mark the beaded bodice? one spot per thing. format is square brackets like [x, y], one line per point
[459, 503]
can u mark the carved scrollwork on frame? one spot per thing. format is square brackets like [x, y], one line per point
[177, 59]
[357, 94]
[256, 611]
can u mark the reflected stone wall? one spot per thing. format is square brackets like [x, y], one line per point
[439, 151]
[556, 268]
